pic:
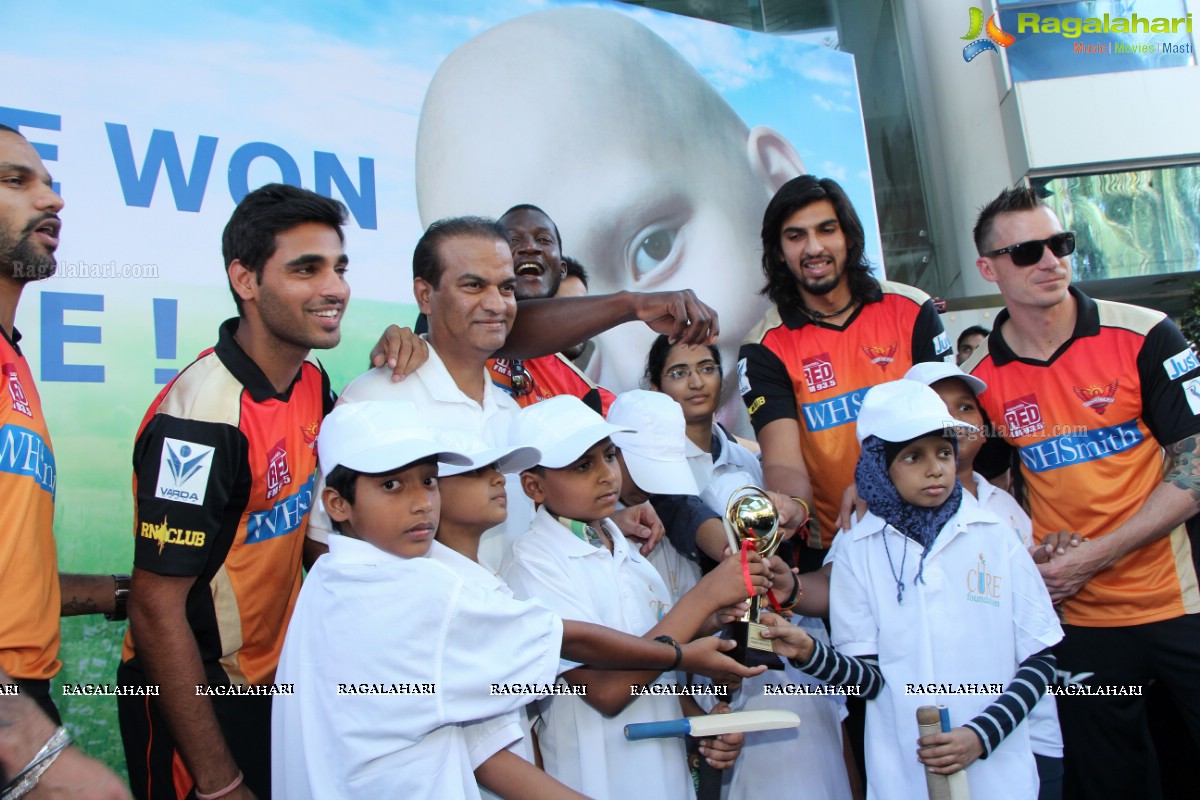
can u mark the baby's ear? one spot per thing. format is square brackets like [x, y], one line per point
[531, 482]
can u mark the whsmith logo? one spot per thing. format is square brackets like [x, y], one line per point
[1079, 448]
[25, 452]
[995, 36]
[833, 412]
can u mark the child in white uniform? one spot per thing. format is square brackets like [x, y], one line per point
[959, 391]
[932, 601]
[389, 650]
[577, 562]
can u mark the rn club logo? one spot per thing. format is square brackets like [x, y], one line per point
[995, 36]
[1097, 398]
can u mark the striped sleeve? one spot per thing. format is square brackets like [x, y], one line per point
[838, 669]
[1006, 712]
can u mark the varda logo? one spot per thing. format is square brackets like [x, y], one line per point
[995, 36]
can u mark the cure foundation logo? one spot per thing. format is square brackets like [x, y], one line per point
[995, 36]
[982, 585]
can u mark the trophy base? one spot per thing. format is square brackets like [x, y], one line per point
[751, 648]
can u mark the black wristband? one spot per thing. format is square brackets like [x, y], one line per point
[678, 651]
[120, 612]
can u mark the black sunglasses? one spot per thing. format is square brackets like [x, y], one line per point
[1027, 254]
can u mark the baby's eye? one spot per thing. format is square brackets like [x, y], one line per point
[652, 250]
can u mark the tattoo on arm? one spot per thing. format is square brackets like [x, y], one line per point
[1185, 466]
[75, 606]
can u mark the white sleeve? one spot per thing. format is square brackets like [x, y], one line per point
[852, 615]
[550, 584]
[493, 639]
[489, 736]
[1036, 625]
[320, 527]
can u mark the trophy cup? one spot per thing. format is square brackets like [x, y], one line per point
[751, 516]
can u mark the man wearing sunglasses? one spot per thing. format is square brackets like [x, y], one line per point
[1093, 394]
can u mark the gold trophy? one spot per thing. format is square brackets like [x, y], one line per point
[750, 515]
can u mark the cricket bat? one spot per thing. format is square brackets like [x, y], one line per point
[936, 719]
[714, 724]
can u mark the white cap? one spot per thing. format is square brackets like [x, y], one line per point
[480, 454]
[930, 372]
[563, 428]
[654, 450]
[375, 437]
[897, 411]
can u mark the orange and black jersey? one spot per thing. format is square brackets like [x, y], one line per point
[791, 367]
[223, 482]
[29, 591]
[1089, 425]
[549, 376]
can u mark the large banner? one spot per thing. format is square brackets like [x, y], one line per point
[654, 142]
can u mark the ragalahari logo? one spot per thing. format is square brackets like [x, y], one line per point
[995, 36]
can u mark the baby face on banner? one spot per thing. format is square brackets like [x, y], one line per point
[654, 184]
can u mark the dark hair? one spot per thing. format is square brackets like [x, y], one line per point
[427, 265]
[794, 195]
[656, 360]
[532, 207]
[269, 210]
[575, 269]
[342, 480]
[6, 129]
[1021, 198]
[974, 330]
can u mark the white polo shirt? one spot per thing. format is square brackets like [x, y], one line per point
[981, 610]
[1044, 731]
[732, 458]
[432, 388]
[370, 634]
[487, 737]
[580, 746]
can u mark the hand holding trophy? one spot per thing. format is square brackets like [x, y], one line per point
[752, 522]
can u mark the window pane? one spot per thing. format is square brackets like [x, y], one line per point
[1129, 224]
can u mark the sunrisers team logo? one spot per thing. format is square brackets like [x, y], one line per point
[881, 354]
[1097, 398]
[309, 432]
[995, 36]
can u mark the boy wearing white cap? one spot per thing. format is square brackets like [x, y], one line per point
[474, 501]
[932, 602]
[576, 561]
[385, 647]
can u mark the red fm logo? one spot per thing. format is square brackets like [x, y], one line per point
[818, 373]
[1023, 417]
[278, 474]
[20, 402]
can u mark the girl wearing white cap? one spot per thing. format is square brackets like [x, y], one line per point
[932, 602]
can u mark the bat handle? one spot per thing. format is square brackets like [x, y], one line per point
[929, 720]
[654, 730]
